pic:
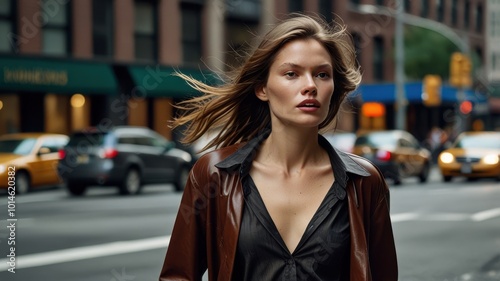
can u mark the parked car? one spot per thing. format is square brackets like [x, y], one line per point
[32, 158]
[341, 140]
[472, 155]
[396, 153]
[123, 156]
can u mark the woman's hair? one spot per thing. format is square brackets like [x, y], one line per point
[233, 108]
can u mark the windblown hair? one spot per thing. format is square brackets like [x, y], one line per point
[233, 107]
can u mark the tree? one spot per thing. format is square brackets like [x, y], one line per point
[427, 52]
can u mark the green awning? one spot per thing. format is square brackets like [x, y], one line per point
[56, 76]
[159, 81]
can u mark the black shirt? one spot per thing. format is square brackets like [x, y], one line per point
[323, 251]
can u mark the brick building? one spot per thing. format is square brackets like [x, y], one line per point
[68, 64]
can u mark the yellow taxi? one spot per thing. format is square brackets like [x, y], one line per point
[472, 155]
[396, 153]
[31, 159]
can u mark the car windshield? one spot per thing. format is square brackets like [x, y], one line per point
[479, 141]
[19, 146]
[377, 140]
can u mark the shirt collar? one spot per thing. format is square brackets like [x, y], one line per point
[342, 163]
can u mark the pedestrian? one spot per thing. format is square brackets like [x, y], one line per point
[275, 201]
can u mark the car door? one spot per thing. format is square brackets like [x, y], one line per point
[413, 160]
[158, 167]
[45, 164]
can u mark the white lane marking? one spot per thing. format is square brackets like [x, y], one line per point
[446, 217]
[403, 217]
[486, 215]
[88, 252]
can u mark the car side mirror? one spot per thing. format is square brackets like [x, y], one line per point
[43, 150]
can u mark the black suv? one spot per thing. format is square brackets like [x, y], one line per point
[123, 156]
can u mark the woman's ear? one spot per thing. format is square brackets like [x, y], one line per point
[261, 94]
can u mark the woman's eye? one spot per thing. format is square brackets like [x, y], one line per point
[323, 75]
[290, 74]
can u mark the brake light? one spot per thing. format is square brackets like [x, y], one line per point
[62, 154]
[109, 153]
[384, 155]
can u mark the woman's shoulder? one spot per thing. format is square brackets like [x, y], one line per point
[208, 160]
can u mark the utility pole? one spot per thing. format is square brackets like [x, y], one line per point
[401, 101]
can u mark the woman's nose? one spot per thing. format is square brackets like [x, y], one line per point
[310, 86]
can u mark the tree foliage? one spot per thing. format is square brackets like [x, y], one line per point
[427, 52]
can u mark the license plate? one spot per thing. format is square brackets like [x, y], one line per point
[466, 168]
[82, 159]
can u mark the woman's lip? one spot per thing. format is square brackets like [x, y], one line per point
[309, 103]
[308, 108]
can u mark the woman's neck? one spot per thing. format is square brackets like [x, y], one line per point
[292, 150]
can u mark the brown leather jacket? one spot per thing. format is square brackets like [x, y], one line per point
[206, 229]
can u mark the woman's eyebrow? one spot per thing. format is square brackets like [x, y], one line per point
[294, 65]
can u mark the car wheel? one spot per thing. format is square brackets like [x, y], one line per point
[22, 183]
[76, 189]
[182, 178]
[424, 175]
[131, 183]
[446, 178]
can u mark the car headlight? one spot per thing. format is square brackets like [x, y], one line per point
[491, 159]
[446, 157]
[2, 169]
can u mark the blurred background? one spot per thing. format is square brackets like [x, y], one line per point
[431, 71]
[66, 65]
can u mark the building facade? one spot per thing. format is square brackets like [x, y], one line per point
[66, 65]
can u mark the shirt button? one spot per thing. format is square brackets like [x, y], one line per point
[290, 261]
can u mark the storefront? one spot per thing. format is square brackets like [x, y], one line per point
[61, 95]
[51, 95]
[419, 117]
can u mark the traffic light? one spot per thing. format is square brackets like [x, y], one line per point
[460, 70]
[431, 92]
[466, 107]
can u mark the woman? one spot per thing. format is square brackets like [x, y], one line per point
[277, 202]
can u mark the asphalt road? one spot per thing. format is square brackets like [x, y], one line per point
[444, 232]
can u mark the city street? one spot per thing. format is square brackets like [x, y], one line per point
[443, 231]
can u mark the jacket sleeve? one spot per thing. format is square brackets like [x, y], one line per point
[382, 250]
[186, 254]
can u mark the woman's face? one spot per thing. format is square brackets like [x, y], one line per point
[300, 84]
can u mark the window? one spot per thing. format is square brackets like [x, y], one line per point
[495, 24]
[440, 10]
[191, 33]
[408, 6]
[479, 19]
[54, 143]
[7, 26]
[243, 10]
[295, 6]
[55, 28]
[424, 10]
[357, 46]
[466, 14]
[102, 12]
[454, 12]
[378, 59]
[145, 35]
[479, 53]
[325, 8]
